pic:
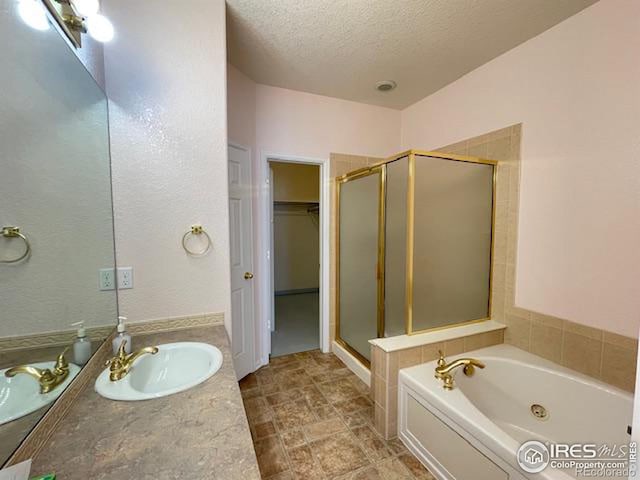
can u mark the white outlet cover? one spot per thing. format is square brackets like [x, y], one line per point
[107, 279]
[125, 278]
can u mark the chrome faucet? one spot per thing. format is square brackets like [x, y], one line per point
[444, 369]
[120, 365]
[48, 379]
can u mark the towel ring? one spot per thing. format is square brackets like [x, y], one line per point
[14, 232]
[196, 230]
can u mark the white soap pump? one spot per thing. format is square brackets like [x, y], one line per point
[81, 346]
[120, 337]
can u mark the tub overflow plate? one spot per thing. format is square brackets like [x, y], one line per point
[539, 412]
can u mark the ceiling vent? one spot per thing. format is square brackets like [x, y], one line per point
[386, 85]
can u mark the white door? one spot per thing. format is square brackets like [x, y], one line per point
[241, 234]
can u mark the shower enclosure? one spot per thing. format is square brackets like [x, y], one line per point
[414, 246]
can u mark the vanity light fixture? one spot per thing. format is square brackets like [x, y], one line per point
[77, 17]
[33, 13]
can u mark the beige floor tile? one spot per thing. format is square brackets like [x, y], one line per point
[271, 457]
[339, 454]
[318, 430]
[299, 434]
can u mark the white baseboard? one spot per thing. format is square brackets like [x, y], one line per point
[352, 363]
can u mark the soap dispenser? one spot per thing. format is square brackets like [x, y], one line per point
[82, 345]
[120, 337]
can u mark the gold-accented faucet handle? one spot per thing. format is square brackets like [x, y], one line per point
[441, 361]
[122, 350]
[120, 357]
[61, 362]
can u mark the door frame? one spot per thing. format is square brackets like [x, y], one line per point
[265, 283]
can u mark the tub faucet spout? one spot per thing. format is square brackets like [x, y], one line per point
[444, 369]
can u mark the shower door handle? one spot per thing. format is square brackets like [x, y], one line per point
[248, 275]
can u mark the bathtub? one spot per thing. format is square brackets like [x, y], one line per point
[474, 431]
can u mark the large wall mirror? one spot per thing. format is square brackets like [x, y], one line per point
[55, 187]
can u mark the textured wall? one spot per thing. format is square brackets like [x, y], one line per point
[54, 172]
[167, 91]
[91, 54]
[241, 108]
[575, 89]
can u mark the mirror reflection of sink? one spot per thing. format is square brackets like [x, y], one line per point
[20, 395]
[175, 368]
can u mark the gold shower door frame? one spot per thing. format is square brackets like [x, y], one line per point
[380, 168]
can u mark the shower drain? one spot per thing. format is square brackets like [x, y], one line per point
[539, 412]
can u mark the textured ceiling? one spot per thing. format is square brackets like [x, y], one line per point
[341, 48]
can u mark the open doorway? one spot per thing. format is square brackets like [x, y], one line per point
[295, 263]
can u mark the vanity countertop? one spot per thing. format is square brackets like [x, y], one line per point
[198, 434]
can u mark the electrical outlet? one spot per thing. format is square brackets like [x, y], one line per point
[107, 279]
[125, 278]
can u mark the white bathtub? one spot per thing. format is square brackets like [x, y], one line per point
[486, 417]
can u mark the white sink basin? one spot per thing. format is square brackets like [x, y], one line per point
[20, 395]
[175, 368]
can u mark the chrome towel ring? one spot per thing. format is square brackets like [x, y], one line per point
[14, 232]
[196, 230]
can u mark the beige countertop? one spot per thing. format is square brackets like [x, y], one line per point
[194, 435]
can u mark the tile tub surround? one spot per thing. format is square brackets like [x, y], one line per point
[385, 367]
[199, 433]
[606, 356]
[311, 418]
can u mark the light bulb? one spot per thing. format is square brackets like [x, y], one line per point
[100, 28]
[86, 8]
[33, 13]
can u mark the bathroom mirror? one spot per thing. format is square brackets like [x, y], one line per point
[55, 193]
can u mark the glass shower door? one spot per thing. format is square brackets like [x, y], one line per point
[361, 258]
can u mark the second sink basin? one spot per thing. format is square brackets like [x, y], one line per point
[20, 395]
[175, 368]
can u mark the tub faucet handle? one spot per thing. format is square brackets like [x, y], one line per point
[443, 370]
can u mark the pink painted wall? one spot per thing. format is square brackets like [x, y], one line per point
[288, 122]
[241, 108]
[303, 124]
[576, 89]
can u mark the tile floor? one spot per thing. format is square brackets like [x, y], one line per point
[311, 418]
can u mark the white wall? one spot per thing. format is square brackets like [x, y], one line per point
[91, 54]
[296, 249]
[166, 81]
[303, 124]
[576, 88]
